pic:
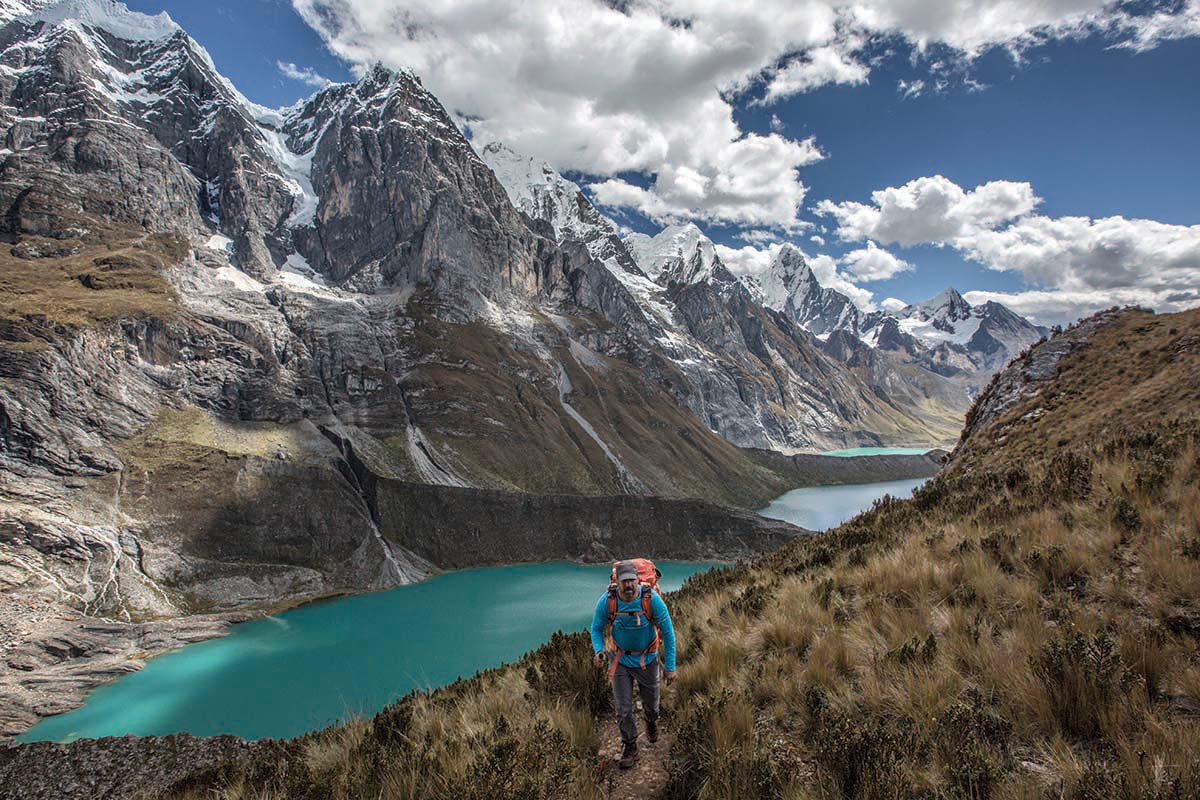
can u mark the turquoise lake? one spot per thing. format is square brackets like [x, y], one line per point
[821, 507]
[316, 665]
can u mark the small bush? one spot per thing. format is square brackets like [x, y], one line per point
[914, 650]
[564, 670]
[718, 753]
[751, 600]
[972, 746]
[1126, 514]
[1086, 681]
[864, 754]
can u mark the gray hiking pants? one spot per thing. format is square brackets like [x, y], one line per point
[623, 680]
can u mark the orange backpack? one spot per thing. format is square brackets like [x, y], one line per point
[648, 576]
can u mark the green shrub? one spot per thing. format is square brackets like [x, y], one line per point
[562, 668]
[972, 746]
[1086, 681]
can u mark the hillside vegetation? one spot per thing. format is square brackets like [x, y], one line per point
[1026, 625]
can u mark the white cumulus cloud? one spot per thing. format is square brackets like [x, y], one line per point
[873, 263]
[820, 66]
[1061, 307]
[1079, 253]
[1072, 263]
[754, 181]
[648, 86]
[930, 209]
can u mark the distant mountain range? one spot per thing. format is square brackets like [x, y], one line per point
[945, 335]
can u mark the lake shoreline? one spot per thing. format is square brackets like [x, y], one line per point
[98, 651]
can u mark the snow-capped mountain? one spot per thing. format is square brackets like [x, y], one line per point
[248, 354]
[677, 253]
[308, 242]
[754, 376]
[945, 332]
[991, 332]
[537, 190]
[789, 286]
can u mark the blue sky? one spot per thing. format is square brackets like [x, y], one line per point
[1083, 129]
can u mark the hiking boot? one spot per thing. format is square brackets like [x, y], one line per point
[629, 756]
[651, 731]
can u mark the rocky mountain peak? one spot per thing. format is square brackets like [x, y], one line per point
[538, 190]
[679, 253]
[788, 278]
[947, 306]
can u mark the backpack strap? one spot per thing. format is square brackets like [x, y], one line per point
[648, 612]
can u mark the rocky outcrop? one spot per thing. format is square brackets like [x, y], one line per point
[116, 767]
[409, 203]
[1027, 376]
[67, 655]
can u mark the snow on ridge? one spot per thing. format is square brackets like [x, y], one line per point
[673, 244]
[787, 274]
[947, 305]
[108, 15]
[928, 331]
[11, 9]
[537, 189]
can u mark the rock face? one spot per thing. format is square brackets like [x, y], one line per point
[790, 287]
[115, 768]
[544, 196]
[466, 527]
[752, 375]
[1028, 376]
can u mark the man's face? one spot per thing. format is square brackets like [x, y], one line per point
[628, 588]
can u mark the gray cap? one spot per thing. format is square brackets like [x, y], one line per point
[626, 569]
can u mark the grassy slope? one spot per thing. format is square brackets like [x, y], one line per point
[47, 285]
[1026, 626]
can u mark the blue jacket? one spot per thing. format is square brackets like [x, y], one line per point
[628, 634]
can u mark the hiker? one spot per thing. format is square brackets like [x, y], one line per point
[641, 626]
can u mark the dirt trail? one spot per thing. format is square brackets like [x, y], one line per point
[645, 779]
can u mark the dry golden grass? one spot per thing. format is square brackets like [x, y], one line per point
[82, 282]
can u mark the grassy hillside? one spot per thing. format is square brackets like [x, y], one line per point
[1027, 625]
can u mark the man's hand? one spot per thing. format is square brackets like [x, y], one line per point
[600, 659]
[669, 676]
